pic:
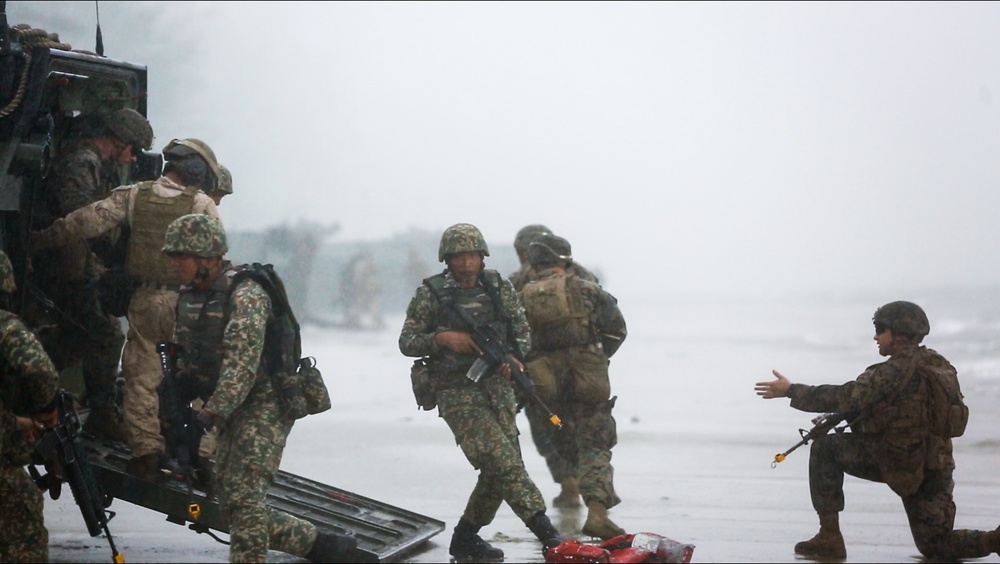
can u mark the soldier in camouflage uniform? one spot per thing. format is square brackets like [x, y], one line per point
[27, 387]
[147, 208]
[480, 414]
[575, 328]
[80, 175]
[222, 329]
[891, 441]
[558, 450]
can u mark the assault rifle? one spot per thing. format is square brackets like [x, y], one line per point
[62, 454]
[181, 431]
[821, 426]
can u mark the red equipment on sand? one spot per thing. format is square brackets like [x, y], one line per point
[627, 548]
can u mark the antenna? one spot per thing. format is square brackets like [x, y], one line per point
[100, 39]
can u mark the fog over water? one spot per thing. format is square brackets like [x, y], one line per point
[684, 149]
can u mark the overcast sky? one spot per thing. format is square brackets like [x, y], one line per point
[679, 147]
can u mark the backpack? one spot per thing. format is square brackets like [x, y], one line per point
[300, 386]
[947, 413]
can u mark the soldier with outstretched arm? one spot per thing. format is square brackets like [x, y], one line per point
[903, 414]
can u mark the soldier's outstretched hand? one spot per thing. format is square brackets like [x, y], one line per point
[775, 388]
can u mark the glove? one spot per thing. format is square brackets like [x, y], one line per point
[206, 420]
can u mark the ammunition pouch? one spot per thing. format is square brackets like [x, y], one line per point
[420, 379]
[302, 392]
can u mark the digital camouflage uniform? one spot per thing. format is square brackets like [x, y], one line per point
[569, 318]
[27, 386]
[251, 426]
[480, 415]
[147, 208]
[68, 275]
[891, 443]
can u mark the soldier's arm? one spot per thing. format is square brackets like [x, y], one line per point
[849, 397]
[85, 223]
[514, 310]
[608, 320]
[25, 358]
[78, 183]
[205, 205]
[417, 337]
[243, 345]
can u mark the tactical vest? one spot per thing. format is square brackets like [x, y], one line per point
[151, 215]
[557, 314]
[201, 324]
[448, 368]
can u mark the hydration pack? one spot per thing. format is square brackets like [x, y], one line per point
[947, 414]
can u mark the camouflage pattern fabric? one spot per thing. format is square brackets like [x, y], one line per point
[889, 444]
[7, 282]
[527, 274]
[23, 536]
[251, 437]
[574, 382]
[480, 415]
[195, 234]
[462, 238]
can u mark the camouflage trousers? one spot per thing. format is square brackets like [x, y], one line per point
[556, 447]
[249, 448]
[23, 537]
[151, 317]
[482, 420]
[574, 383]
[930, 511]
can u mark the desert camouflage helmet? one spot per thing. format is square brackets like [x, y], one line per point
[183, 148]
[527, 234]
[225, 184]
[903, 318]
[549, 248]
[133, 129]
[6, 274]
[197, 235]
[461, 238]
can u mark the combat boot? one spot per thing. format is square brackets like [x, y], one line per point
[544, 530]
[598, 524]
[145, 467]
[828, 542]
[468, 546]
[991, 542]
[570, 494]
[103, 424]
[331, 547]
[203, 477]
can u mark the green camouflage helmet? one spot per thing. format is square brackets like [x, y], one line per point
[133, 129]
[549, 248]
[527, 234]
[197, 235]
[7, 283]
[461, 238]
[902, 318]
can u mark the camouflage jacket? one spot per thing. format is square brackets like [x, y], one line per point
[593, 313]
[426, 316]
[526, 274]
[104, 215]
[242, 378]
[28, 383]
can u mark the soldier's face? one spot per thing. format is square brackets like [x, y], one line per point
[185, 267]
[886, 342]
[465, 267]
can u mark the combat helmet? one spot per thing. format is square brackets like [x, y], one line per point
[181, 149]
[7, 283]
[902, 318]
[133, 129]
[461, 238]
[549, 248]
[196, 234]
[527, 234]
[225, 184]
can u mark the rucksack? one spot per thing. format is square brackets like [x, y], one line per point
[299, 383]
[947, 413]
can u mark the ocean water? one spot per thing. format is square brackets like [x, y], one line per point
[693, 460]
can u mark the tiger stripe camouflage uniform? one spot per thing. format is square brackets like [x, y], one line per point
[26, 368]
[879, 446]
[152, 310]
[251, 427]
[480, 415]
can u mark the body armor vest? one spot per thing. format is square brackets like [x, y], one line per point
[448, 368]
[557, 314]
[151, 215]
[201, 324]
